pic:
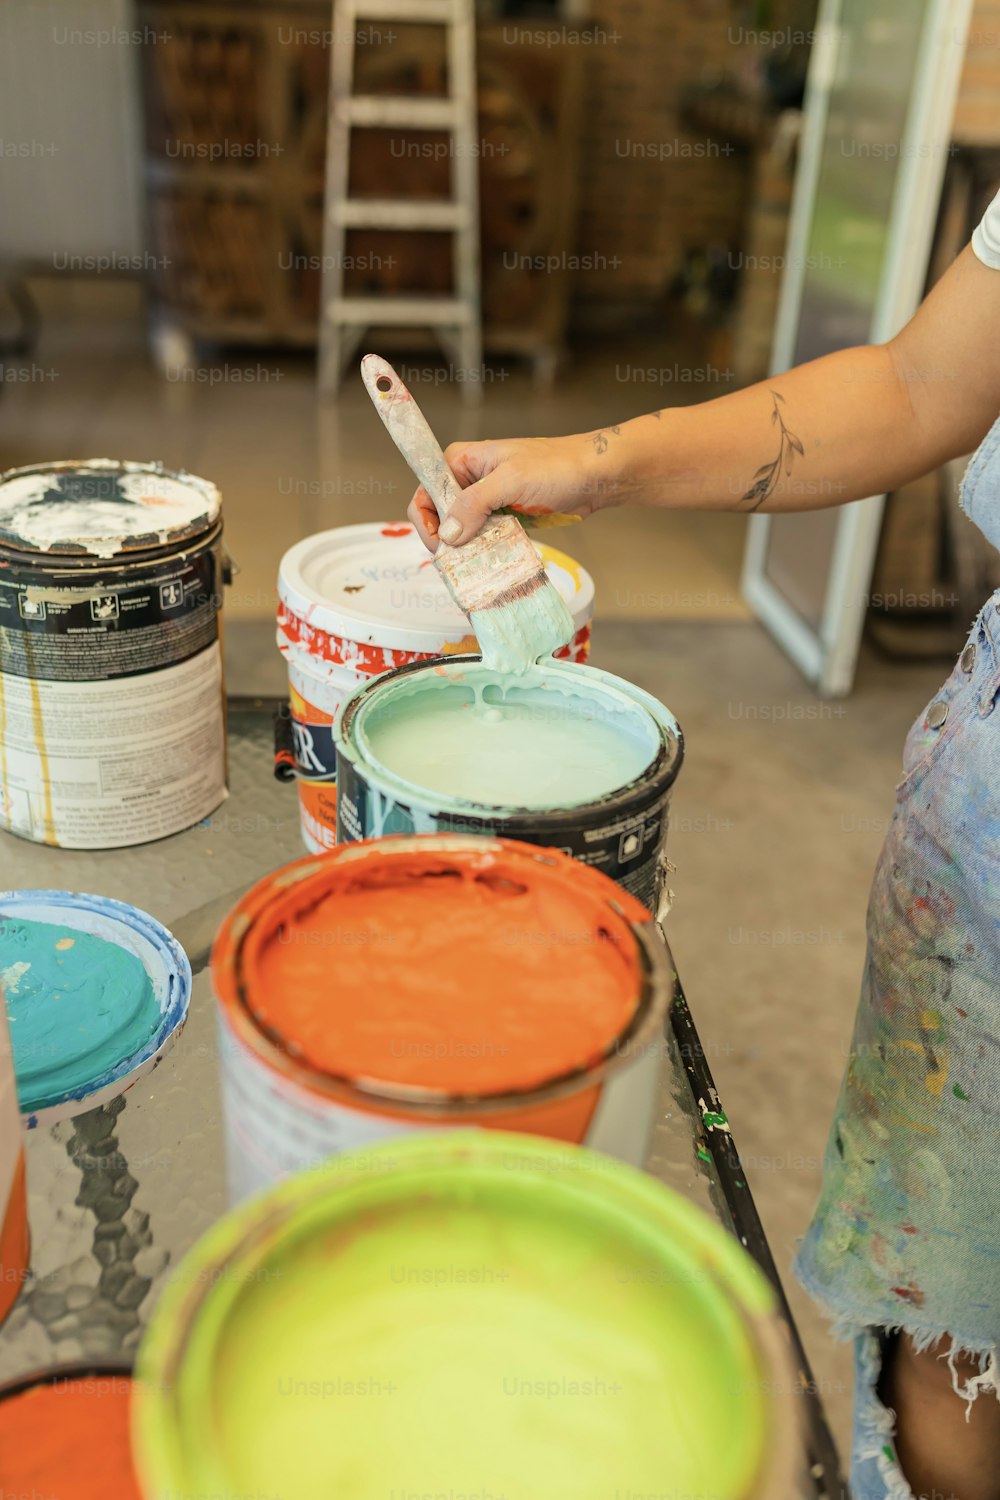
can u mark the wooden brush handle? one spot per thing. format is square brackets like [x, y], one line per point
[407, 426]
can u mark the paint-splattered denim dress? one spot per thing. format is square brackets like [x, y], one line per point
[907, 1230]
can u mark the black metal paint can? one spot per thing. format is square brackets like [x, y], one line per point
[112, 711]
[622, 833]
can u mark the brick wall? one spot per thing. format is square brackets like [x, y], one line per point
[634, 206]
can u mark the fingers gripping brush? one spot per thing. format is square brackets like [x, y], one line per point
[497, 578]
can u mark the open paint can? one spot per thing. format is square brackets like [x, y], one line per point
[358, 601]
[467, 1314]
[65, 1434]
[416, 983]
[565, 756]
[112, 718]
[96, 993]
[14, 1241]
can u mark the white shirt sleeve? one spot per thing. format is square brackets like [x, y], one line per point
[986, 236]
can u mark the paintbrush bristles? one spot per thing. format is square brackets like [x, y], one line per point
[485, 570]
[499, 581]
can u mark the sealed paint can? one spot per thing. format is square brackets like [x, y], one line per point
[14, 1242]
[96, 992]
[358, 601]
[415, 983]
[566, 756]
[112, 717]
[497, 1314]
[65, 1432]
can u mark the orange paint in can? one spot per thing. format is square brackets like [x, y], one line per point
[428, 981]
[67, 1436]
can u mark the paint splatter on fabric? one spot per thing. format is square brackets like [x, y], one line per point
[907, 1230]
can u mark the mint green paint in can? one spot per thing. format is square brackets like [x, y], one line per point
[566, 756]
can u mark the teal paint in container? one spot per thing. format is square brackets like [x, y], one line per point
[96, 993]
[565, 756]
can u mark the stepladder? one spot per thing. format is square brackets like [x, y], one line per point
[453, 317]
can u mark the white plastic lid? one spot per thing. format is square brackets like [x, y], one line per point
[103, 506]
[376, 583]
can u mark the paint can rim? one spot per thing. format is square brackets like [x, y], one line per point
[77, 1369]
[654, 780]
[172, 986]
[106, 547]
[176, 1360]
[644, 1025]
[306, 604]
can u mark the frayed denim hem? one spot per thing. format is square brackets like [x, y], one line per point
[875, 1470]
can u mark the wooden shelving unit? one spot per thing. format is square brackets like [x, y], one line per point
[235, 127]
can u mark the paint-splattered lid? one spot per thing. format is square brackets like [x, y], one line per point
[102, 506]
[377, 583]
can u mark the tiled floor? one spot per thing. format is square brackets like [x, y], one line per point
[782, 801]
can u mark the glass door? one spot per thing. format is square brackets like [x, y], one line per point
[879, 103]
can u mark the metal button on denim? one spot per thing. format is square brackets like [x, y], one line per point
[936, 715]
[967, 660]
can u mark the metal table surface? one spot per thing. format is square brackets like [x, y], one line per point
[118, 1194]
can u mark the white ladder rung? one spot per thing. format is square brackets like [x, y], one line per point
[400, 213]
[390, 311]
[416, 113]
[438, 11]
[454, 313]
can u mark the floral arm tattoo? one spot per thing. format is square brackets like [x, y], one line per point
[766, 479]
[601, 437]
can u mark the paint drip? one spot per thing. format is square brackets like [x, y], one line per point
[112, 723]
[565, 756]
[517, 742]
[356, 601]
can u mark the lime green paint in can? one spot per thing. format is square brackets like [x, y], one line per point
[466, 1312]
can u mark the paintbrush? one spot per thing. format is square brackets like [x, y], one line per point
[497, 578]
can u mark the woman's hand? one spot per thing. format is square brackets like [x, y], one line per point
[533, 476]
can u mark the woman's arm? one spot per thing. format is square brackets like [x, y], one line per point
[855, 423]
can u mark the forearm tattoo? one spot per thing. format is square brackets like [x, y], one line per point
[765, 481]
[601, 437]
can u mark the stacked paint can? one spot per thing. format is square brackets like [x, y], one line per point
[112, 719]
[467, 1313]
[420, 983]
[358, 601]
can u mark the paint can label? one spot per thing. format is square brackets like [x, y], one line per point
[627, 848]
[274, 1128]
[111, 708]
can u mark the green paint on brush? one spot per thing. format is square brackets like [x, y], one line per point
[715, 1120]
[705, 1155]
[515, 633]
